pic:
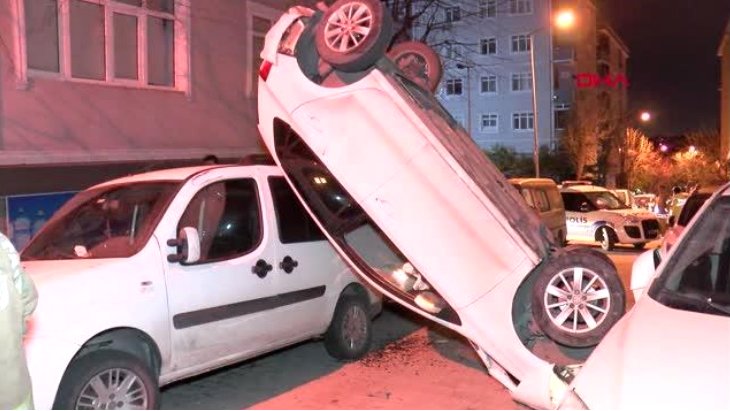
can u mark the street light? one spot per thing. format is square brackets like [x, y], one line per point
[645, 116]
[564, 20]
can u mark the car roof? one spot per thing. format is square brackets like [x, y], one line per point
[531, 181]
[178, 174]
[583, 189]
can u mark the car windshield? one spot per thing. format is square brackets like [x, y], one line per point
[105, 222]
[605, 200]
[697, 278]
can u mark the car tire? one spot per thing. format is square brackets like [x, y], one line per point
[349, 334]
[607, 237]
[639, 246]
[578, 319]
[419, 62]
[107, 367]
[358, 51]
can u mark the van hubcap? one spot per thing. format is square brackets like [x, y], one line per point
[113, 389]
[577, 300]
[348, 27]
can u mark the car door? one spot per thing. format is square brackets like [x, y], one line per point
[219, 305]
[307, 266]
[576, 219]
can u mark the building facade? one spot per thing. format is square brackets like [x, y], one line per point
[94, 89]
[487, 48]
[724, 53]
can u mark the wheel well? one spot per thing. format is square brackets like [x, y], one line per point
[129, 340]
[357, 290]
[525, 326]
[599, 233]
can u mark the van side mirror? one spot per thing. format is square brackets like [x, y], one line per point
[187, 246]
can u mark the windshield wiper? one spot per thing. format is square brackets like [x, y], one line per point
[716, 306]
[700, 302]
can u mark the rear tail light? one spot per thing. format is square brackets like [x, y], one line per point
[264, 70]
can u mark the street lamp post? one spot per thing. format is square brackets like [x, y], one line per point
[535, 136]
[468, 93]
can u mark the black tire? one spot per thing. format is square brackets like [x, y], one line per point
[639, 246]
[350, 333]
[574, 330]
[370, 47]
[607, 237]
[420, 63]
[85, 368]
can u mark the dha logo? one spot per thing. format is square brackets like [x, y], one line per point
[593, 80]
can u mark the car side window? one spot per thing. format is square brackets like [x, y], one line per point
[295, 224]
[227, 216]
[573, 201]
[528, 197]
[541, 200]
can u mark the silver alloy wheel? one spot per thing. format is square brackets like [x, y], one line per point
[348, 27]
[355, 327]
[113, 389]
[577, 300]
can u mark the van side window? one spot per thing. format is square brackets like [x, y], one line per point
[528, 197]
[541, 200]
[295, 224]
[227, 217]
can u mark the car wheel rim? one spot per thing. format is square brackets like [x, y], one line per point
[348, 27]
[606, 242]
[354, 327]
[113, 389]
[577, 300]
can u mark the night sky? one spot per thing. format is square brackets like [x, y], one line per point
[673, 64]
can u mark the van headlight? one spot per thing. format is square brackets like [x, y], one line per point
[572, 401]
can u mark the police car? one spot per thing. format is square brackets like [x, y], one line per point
[594, 213]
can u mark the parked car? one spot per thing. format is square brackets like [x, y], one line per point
[542, 195]
[594, 214]
[156, 277]
[644, 201]
[410, 201]
[671, 350]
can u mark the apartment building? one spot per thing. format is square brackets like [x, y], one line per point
[93, 89]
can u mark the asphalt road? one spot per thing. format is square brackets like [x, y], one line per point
[413, 365]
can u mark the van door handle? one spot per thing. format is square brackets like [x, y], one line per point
[261, 268]
[288, 264]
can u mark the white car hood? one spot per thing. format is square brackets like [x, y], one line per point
[649, 361]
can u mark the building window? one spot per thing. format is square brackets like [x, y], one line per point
[129, 42]
[522, 121]
[562, 116]
[490, 123]
[521, 43]
[487, 8]
[489, 84]
[522, 81]
[453, 14]
[454, 87]
[520, 6]
[488, 46]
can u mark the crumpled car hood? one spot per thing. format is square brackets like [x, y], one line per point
[659, 357]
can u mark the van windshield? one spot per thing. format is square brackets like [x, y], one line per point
[105, 222]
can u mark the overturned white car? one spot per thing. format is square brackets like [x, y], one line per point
[410, 201]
